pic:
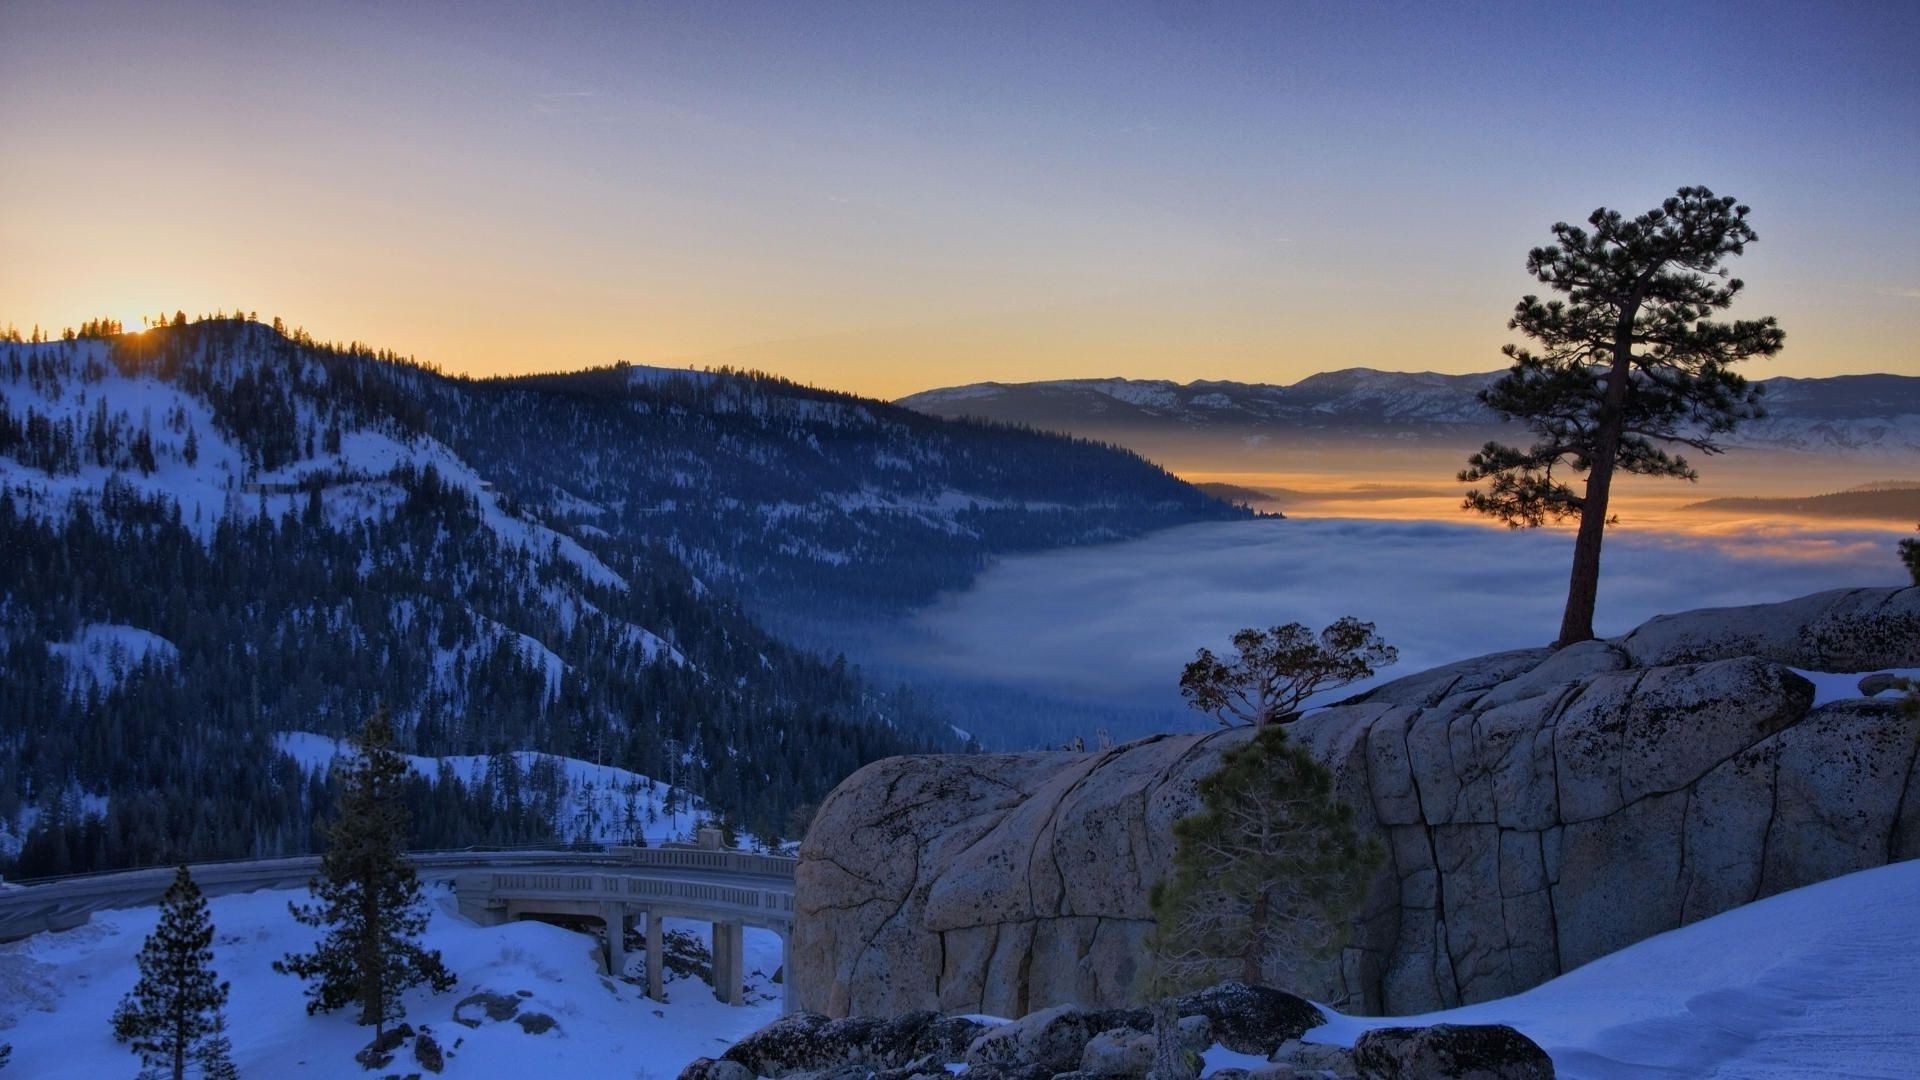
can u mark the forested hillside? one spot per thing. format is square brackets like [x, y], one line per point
[216, 534]
[805, 501]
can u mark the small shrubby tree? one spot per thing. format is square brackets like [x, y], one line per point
[369, 900]
[172, 1017]
[1627, 367]
[1273, 672]
[1268, 870]
[1910, 554]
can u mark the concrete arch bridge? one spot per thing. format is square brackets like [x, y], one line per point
[625, 887]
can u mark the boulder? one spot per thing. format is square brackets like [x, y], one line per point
[1119, 1052]
[1541, 809]
[1194, 1033]
[709, 1069]
[1315, 1059]
[1450, 1052]
[1054, 1039]
[380, 1052]
[426, 1051]
[801, 1043]
[1838, 630]
[1251, 1019]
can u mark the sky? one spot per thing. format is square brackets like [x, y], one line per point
[890, 197]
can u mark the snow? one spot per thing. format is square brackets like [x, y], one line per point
[215, 484]
[80, 803]
[1814, 982]
[1219, 1057]
[103, 653]
[57, 992]
[377, 453]
[1831, 686]
[594, 805]
[202, 488]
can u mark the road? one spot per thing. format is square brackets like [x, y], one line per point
[685, 874]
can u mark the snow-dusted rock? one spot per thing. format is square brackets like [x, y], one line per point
[804, 1043]
[1055, 1038]
[1119, 1052]
[1541, 810]
[1838, 630]
[1451, 1052]
[1251, 1019]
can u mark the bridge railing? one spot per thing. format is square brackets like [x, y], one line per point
[733, 862]
[708, 896]
[66, 901]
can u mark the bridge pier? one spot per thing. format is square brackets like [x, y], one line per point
[789, 1004]
[614, 914]
[729, 962]
[656, 958]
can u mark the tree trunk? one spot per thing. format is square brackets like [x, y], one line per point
[1583, 585]
[1169, 1063]
[1256, 949]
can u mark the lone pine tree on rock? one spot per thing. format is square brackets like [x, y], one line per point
[173, 1014]
[1627, 367]
[369, 899]
[1273, 672]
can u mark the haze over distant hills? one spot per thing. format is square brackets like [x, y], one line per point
[1869, 416]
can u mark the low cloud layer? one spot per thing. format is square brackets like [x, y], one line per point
[1117, 623]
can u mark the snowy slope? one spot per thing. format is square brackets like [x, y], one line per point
[101, 653]
[1815, 982]
[1819, 981]
[57, 992]
[599, 803]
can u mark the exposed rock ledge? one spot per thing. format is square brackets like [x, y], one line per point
[1541, 809]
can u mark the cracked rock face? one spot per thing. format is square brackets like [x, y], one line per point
[1541, 809]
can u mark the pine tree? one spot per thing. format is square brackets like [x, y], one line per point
[174, 1011]
[1274, 672]
[1910, 554]
[1266, 873]
[368, 897]
[216, 1054]
[1628, 366]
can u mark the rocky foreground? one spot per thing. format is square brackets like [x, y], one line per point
[1541, 808]
[1258, 1026]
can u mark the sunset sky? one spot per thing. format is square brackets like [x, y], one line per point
[890, 197]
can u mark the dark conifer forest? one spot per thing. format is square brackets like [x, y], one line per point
[213, 533]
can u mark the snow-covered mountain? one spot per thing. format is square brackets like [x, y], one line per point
[1863, 415]
[217, 532]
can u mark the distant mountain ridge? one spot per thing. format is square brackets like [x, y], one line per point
[1864, 415]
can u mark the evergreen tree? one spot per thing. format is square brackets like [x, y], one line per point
[1265, 874]
[1910, 554]
[173, 1013]
[1628, 366]
[1273, 672]
[216, 1054]
[368, 897]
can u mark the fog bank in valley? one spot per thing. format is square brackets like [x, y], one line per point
[1116, 623]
